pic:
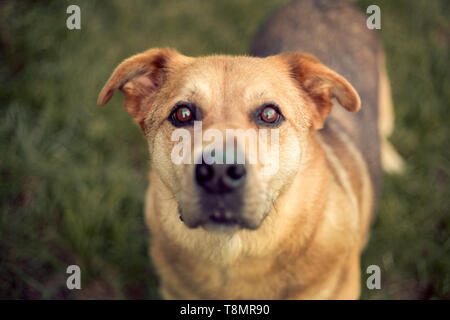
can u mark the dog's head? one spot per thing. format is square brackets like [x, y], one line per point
[227, 135]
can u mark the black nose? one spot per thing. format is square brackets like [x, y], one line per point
[220, 178]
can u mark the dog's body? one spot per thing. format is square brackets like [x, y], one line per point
[309, 221]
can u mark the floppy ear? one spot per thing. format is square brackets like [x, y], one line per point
[139, 77]
[322, 85]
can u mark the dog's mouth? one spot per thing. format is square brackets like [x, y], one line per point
[221, 212]
[220, 220]
[220, 223]
[222, 216]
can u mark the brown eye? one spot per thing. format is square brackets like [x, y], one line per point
[270, 114]
[183, 114]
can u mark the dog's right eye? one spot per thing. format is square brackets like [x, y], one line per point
[183, 114]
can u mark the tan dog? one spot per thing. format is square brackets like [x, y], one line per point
[227, 231]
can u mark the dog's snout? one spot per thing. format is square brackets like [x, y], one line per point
[220, 178]
[221, 187]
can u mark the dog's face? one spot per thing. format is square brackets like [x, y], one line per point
[275, 102]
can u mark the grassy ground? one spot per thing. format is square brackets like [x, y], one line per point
[73, 176]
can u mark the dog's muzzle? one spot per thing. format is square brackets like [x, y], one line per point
[219, 191]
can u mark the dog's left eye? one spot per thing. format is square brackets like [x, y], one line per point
[182, 114]
[269, 114]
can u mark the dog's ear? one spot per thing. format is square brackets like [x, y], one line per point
[139, 77]
[321, 85]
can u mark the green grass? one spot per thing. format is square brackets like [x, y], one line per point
[73, 176]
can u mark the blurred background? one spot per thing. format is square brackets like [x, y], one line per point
[73, 176]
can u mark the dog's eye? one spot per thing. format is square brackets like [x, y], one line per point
[269, 114]
[182, 114]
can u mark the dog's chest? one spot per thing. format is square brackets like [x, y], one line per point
[244, 279]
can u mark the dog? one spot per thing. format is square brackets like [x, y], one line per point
[227, 231]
